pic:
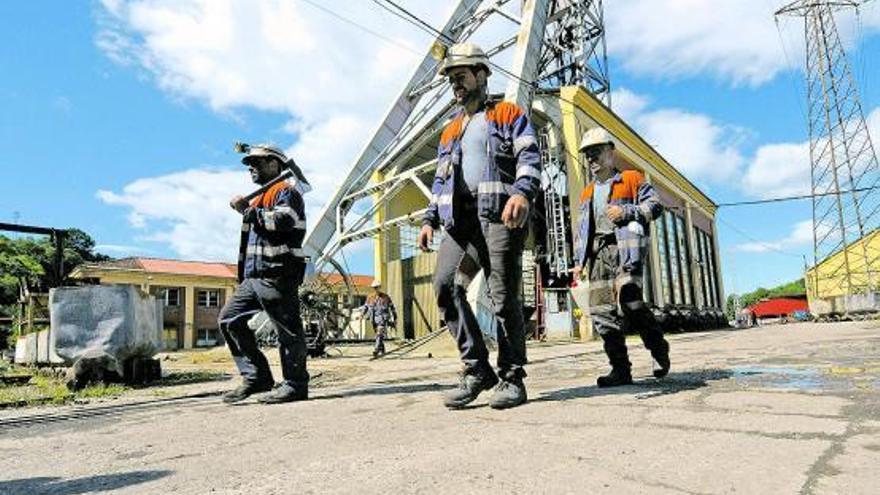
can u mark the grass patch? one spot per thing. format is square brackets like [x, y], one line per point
[47, 389]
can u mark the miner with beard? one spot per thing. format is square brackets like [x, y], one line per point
[488, 172]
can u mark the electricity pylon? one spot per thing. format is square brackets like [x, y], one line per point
[844, 169]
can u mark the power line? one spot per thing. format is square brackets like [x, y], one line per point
[796, 197]
[401, 12]
[411, 18]
[420, 23]
[765, 244]
[360, 26]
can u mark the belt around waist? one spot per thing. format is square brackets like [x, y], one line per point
[605, 238]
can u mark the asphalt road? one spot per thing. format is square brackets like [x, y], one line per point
[775, 410]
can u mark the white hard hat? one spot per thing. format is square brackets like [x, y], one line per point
[594, 137]
[376, 283]
[464, 55]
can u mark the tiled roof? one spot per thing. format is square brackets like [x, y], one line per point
[177, 267]
[204, 269]
[356, 280]
[200, 268]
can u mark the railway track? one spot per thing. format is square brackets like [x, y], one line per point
[100, 411]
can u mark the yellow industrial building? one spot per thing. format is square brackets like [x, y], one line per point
[842, 282]
[684, 276]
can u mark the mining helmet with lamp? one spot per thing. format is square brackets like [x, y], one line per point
[259, 151]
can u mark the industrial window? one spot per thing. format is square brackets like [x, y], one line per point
[674, 258]
[702, 267]
[684, 261]
[209, 298]
[706, 259]
[359, 300]
[206, 337]
[713, 282]
[172, 297]
[666, 294]
[169, 338]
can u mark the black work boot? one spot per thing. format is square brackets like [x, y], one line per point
[659, 348]
[614, 343]
[617, 377]
[285, 393]
[511, 392]
[247, 389]
[473, 380]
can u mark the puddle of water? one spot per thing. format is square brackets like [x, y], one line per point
[781, 377]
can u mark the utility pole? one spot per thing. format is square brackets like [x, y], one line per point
[842, 156]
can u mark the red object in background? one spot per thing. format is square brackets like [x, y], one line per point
[778, 306]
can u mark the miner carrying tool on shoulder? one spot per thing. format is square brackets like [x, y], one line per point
[271, 266]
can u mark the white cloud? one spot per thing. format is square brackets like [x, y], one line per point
[783, 169]
[187, 210]
[701, 148]
[735, 41]
[332, 79]
[801, 235]
[779, 170]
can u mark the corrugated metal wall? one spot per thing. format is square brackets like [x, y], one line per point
[410, 287]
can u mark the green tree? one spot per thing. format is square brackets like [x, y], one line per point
[30, 262]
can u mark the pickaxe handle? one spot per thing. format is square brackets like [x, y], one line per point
[284, 175]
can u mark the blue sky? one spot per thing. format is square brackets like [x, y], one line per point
[118, 117]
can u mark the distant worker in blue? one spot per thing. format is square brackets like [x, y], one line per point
[488, 173]
[616, 209]
[271, 266]
[381, 313]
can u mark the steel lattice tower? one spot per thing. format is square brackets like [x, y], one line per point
[844, 168]
[555, 43]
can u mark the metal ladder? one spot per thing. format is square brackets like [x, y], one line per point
[555, 210]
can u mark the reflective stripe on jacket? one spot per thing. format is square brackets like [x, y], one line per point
[514, 165]
[272, 233]
[380, 310]
[640, 206]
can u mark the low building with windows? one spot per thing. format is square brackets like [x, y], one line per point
[192, 291]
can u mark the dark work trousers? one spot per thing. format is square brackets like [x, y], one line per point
[381, 332]
[615, 310]
[280, 300]
[465, 250]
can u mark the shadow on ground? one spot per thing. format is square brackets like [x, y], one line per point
[90, 484]
[386, 390]
[175, 378]
[644, 389]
